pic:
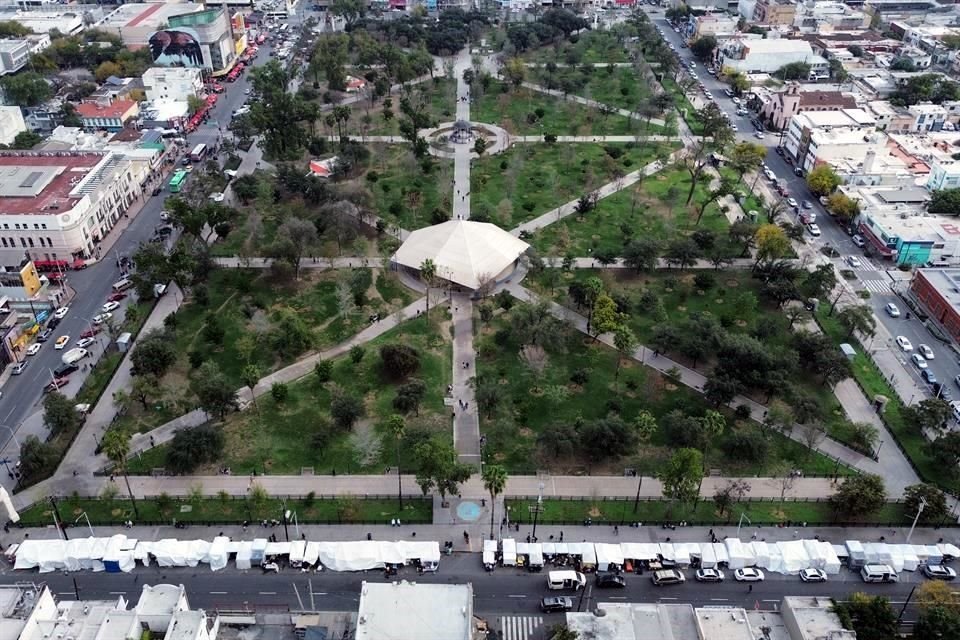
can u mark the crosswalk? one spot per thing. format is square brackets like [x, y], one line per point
[521, 627]
[877, 286]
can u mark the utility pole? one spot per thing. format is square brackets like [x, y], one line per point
[286, 518]
[923, 503]
[536, 511]
[57, 520]
[636, 502]
[906, 603]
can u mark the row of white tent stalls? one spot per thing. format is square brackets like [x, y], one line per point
[789, 557]
[119, 553]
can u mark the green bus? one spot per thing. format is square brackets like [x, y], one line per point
[176, 182]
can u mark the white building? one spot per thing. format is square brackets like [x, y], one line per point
[944, 175]
[14, 55]
[172, 84]
[812, 127]
[60, 205]
[825, 17]
[11, 123]
[714, 24]
[769, 55]
[66, 22]
[813, 619]
[927, 116]
[422, 611]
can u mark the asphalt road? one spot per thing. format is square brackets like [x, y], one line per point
[871, 275]
[502, 591]
[22, 394]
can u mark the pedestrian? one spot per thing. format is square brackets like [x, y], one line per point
[750, 589]
[616, 530]
[561, 536]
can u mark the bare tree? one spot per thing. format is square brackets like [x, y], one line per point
[536, 360]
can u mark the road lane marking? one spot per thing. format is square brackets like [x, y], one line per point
[521, 596]
[268, 593]
[618, 597]
[218, 593]
[719, 600]
[118, 593]
[668, 598]
[769, 601]
[66, 593]
[319, 593]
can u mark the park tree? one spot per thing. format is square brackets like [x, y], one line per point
[251, 376]
[194, 446]
[398, 428]
[154, 353]
[439, 467]
[871, 617]
[859, 495]
[294, 238]
[823, 180]
[729, 494]
[681, 253]
[625, 342]
[857, 318]
[772, 244]
[721, 389]
[277, 113]
[843, 206]
[936, 623]
[935, 508]
[515, 71]
[746, 157]
[116, 446]
[350, 10]
[793, 71]
[399, 360]
[346, 409]
[641, 254]
[26, 89]
[36, 458]
[214, 392]
[682, 475]
[59, 414]
[936, 593]
[428, 274]
[946, 450]
[930, 414]
[717, 134]
[494, 481]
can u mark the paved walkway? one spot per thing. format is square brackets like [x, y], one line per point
[568, 139]
[606, 190]
[696, 380]
[462, 152]
[466, 423]
[591, 103]
[346, 262]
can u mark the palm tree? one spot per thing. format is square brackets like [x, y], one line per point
[398, 426]
[494, 481]
[428, 271]
[116, 445]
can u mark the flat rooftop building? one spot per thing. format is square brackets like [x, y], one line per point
[412, 611]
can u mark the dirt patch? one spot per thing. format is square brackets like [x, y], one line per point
[594, 512]
[525, 432]
[365, 442]
[733, 284]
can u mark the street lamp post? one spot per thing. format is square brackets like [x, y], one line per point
[536, 511]
[84, 515]
[743, 516]
[923, 503]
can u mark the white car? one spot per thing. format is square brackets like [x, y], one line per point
[101, 318]
[854, 262]
[61, 342]
[83, 343]
[813, 575]
[904, 344]
[758, 135]
[892, 310]
[34, 349]
[748, 574]
[61, 313]
[814, 230]
[735, 100]
[230, 173]
[217, 197]
[110, 306]
[918, 361]
[769, 174]
[925, 351]
[792, 202]
[709, 575]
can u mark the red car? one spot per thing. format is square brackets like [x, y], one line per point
[56, 384]
[116, 297]
[91, 332]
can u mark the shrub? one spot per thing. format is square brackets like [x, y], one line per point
[279, 392]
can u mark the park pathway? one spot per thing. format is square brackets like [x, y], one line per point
[895, 469]
[591, 103]
[461, 154]
[345, 262]
[466, 422]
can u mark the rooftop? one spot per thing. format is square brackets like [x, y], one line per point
[43, 183]
[840, 118]
[729, 623]
[146, 14]
[95, 110]
[812, 99]
[637, 621]
[814, 618]
[185, 624]
[946, 282]
[778, 45]
[411, 611]
[161, 599]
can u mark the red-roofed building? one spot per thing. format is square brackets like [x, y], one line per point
[789, 103]
[59, 205]
[108, 117]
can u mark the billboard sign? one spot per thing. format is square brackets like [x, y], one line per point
[30, 279]
[176, 47]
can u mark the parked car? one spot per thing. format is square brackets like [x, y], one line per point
[89, 333]
[61, 342]
[813, 575]
[904, 343]
[19, 368]
[925, 351]
[610, 581]
[83, 343]
[892, 310]
[918, 361]
[61, 313]
[34, 349]
[814, 230]
[56, 384]
[100, 318]
[116, 296]
[110, 306]
[44, 335]
[857, 240]
[854, 262]
[709, 575]
[667, 576]
[748, 574]
[928, 376]
[556, 603]
[939, 572]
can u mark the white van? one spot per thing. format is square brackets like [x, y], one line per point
[74, 355]
[122, 285]
[878, 573]
[565, 580]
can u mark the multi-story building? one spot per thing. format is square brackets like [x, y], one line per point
[826, 17]
[714, 24]
[109, 117]
[14, 55]
[774, 12]
[11, 123]
[180, 34]
[784, 105]
[60, 205]
[809, 128]
[937, 291]
[66, 22]
[927, 116]
[769, 55]
[173, 84]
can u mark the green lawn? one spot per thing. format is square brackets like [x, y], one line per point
[768, 512]
[617, 87]
[533, 404]
[687, 110]
[283, 438]
[588, 47]
[248, 304]
[437, 98]
[518, 112]
[403, 194]
[531, 179]
[228, 510]
[873, 383]
[654, 208]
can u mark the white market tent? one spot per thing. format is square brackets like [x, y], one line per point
[509, 552]
[465, 252]
[608, 554]
[489, 552]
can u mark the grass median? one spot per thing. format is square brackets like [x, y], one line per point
[772, 512]
[226, 509]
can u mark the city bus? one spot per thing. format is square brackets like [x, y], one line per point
[199, 153]
[176, 182]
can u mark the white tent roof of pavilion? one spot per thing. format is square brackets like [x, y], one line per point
[465, 252]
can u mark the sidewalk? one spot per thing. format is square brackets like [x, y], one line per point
[347, 262]
[466, 421]
[590, 103]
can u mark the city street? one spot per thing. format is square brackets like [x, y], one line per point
[872, 274]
